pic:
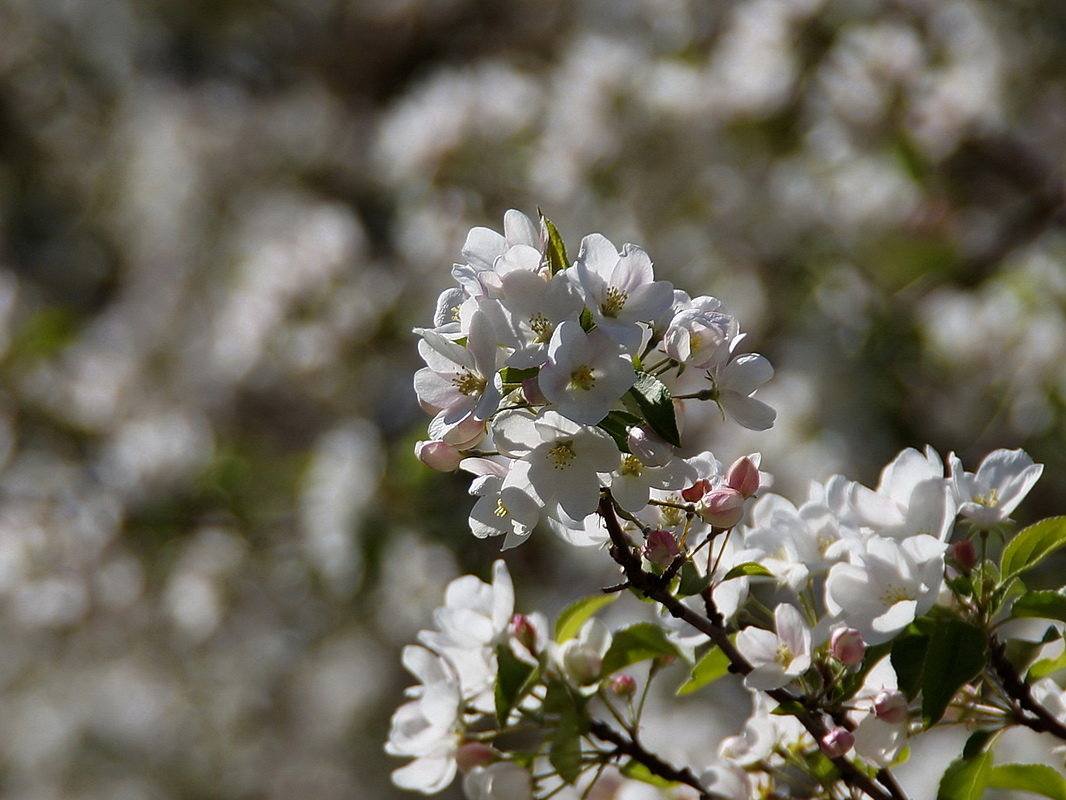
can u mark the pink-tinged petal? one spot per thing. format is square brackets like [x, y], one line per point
[483, 466]
[519, 229]
[437, 389]
[630, 493]
[482, 247]
[906, 471]
[845, 585]
[578, 492]
[633, 270]
[443, 355]
[429, 774]
[597, 255]
[489, 402]
[746, 373]
[647, 302]
[874, 509]
[519, 258]
[755, 415]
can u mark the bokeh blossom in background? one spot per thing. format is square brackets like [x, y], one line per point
[219, 223]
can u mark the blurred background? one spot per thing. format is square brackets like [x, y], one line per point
[219, 222]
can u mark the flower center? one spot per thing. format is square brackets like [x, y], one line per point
[468, 383]
[500, 510]
[582, 378]
[895, 594]
[631, 466]
[542, 327]
[989, 500]
[562, 454]
[784, 654]
[672, 516]
[614, 302]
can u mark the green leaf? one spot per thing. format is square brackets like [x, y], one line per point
[1032, 545]
[956, 653]
[638, 772]
[966, 779]
[653, 401]
[637, 643]
[565, 751]
[1036, 778]
[556, 250]
[747, 568]
[711, 666]
[937, 662]
[977, 742]
[515, 375]
[512, 676]
[790, 708]
[577, 614]
[692, 582]
[617, 424]
[1044, 604]
[1046, 666]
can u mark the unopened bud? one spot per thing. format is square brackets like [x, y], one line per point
[890, 706]
[524, 632]
[438, 455]
[743, 476]
[722, 508]
[964, 553]
[651, 449]
[694, 493]
[581, 662]
[660, 549]
[531, 391]
[837, 742]
[623, 685]
[847, 646]
[466, 434]
[474, 754]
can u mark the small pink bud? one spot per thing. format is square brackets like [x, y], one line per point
[890, 706]
[722, 508]
[524, 632]
[531, 391]
[743, 476]
[623, 685]
[693, 493]
[837, 742]
[964, 553]
[438, 455]
[474, 754]
[648, 447]
[660, 548]
[847, 646]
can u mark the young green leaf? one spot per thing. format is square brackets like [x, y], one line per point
[1032, 545]
[512, 676]
[966, 779]
[637, 643]
[650, 397]
[565, 751]
[555, 250]
[692, 582]
[747, 568]
[639, 772]
[1035, 778]
[617, 424]
[1043, 604]
[711, 666]
[515, 375]
[956, 653]
[577, 614]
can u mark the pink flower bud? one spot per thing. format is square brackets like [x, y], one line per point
[693, 493]
[524, 632]
[837, 742]
[474, 754]
[531, 391]
[438, 455]
[623, 685]
[890, 706]
[648, 447]
[660, 548]
[722, 508]
[743, 476]
[964, 553]
[847, 646]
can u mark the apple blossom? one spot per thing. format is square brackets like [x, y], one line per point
[778, 657]
[585, 373]
[987, 498]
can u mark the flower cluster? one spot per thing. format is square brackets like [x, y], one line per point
[857, 618]
[550, 380]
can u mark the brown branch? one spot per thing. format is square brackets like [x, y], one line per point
[1028, 712]
[654, 588]
[654, 764]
